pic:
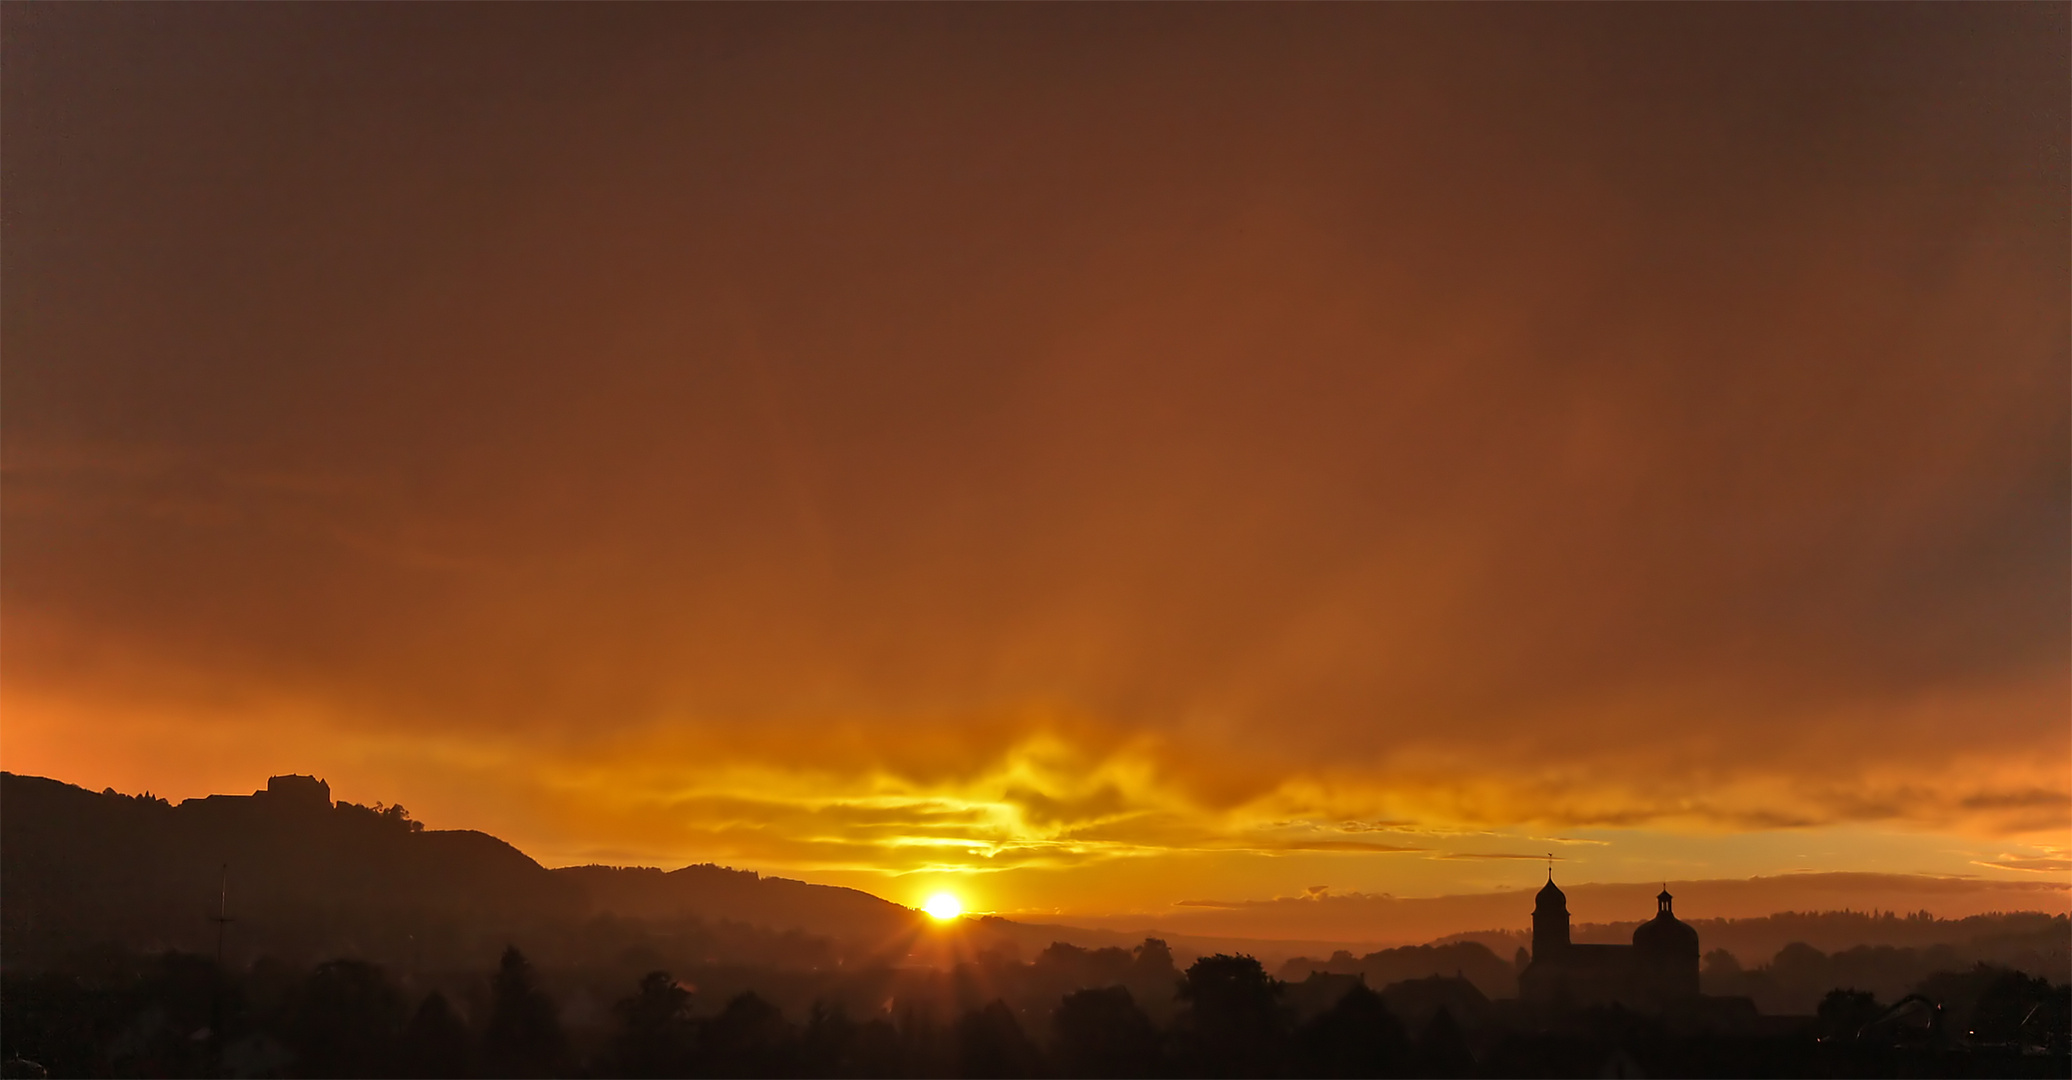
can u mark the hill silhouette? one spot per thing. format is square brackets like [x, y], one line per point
[308, 878]
[706, 891]
[363, 943]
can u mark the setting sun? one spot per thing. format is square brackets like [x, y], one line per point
[943, 906]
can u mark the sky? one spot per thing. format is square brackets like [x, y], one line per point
[1105, 461]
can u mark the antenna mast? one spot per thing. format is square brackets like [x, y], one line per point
[222, 917]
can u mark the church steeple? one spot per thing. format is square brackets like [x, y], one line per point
[1549, 918]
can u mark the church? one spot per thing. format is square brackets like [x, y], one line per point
[1660, 966]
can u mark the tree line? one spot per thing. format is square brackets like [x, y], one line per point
[1222, 1016]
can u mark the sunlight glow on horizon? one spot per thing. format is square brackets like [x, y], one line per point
[943, 907]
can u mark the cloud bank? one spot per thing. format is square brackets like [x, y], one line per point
[990, 438]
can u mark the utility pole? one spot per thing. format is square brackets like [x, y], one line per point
[222, 920]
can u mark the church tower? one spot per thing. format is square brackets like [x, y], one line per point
[1549, 921]
[1666, 949]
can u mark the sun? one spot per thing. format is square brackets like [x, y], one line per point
[943, 906]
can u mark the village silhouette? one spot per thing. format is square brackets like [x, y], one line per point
[282, 934]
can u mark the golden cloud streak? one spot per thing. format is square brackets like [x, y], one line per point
[1035, 790]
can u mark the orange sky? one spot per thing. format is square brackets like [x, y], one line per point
[1105, 458]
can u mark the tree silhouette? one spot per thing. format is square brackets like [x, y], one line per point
[1356, 1037]
[990, 1042]
[187, 994]
[1102, 1033]
[344, 1019]
[1442, 1049]
[925, 1046]
[835, 1045]
[748, 1038]
[1154, 960]
[1233, 1025]
[1153, 978]
[656, 1040]
[436, 1041]
[524, 1036]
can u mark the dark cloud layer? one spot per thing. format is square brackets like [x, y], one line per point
[1601, 416]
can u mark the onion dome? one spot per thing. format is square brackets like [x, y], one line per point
[1665, 933]
[1550, 897]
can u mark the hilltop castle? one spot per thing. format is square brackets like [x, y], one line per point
[1661, 965]
[293, 792]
